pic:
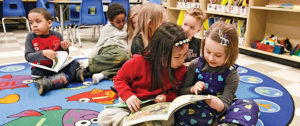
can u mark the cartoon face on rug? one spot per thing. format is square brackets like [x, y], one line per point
[55, 116]
[14, 81]
[96, 95]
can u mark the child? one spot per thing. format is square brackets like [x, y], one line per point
[151, 16]
[132, 22]
[216, 74]
[41, 47]
[157, 73]
[111, 50]
[191, 24]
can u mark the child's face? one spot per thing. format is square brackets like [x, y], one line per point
[119, 21]
[38, 24]
[179, 55]
[214, 53]
[190, 26]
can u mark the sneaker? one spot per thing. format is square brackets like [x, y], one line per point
[79, 75]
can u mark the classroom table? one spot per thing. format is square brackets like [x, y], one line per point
[63, 3]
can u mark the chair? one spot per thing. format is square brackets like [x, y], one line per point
[155, 1]
[14, 9]
[91, 15]
[49, 6]
[73, 19]
[124, 3]
[74, 13]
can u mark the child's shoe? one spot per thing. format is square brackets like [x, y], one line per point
[79, 75]
[43, 85]
[87, 72]
[57, 81]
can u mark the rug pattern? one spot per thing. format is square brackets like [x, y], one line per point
[80, 103]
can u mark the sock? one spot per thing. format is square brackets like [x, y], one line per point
[83, 64]
[97, 77]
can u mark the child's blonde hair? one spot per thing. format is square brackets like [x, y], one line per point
[198, 14]
[232, 49]
[149, 13]
[132, 12]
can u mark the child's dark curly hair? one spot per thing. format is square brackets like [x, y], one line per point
[115, 9]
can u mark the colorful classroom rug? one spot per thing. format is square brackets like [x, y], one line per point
[80, 103]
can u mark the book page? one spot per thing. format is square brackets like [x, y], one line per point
[61, 60]
[183, 100]
[61, 57]
[162, 111]
[157, 111]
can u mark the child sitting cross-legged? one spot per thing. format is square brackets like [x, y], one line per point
[111, 50]
[40, 48]
[155, 74]
[215, 73]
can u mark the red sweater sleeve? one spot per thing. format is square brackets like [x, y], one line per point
[179, 74]
[123, 80]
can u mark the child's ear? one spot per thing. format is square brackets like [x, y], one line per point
[49, 23]
[149, 23]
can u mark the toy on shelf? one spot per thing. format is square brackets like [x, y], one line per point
[273, 45]
[296, 50]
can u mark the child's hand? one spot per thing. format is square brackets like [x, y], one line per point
[133, 103]
[65, 44]
[198, 87]
[50, 54]
[215, 103]
[160, 98]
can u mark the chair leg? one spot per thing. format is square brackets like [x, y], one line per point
[99, 27]
[71, 34]
[78, 36]
[4, 29]
[27, 24]
[94, 33]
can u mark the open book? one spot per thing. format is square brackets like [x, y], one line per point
[61, 60]
[162, 111]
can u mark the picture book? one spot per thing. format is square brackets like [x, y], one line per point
[124, 105]
[163, 110]
[61, 60]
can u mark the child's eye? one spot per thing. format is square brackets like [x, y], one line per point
[218, 55]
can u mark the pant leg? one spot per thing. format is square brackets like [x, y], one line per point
[196, 114]
[109, 60]
[41, 72]
[70, 70]
[112, 116]
[242, 112]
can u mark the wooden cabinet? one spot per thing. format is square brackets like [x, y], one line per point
[262, 22]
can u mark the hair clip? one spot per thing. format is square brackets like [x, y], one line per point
[182, 42]
[224, 40]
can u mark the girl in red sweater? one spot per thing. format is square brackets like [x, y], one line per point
[156, 74]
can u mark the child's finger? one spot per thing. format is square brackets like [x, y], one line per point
[130, 108]
[135, 107]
